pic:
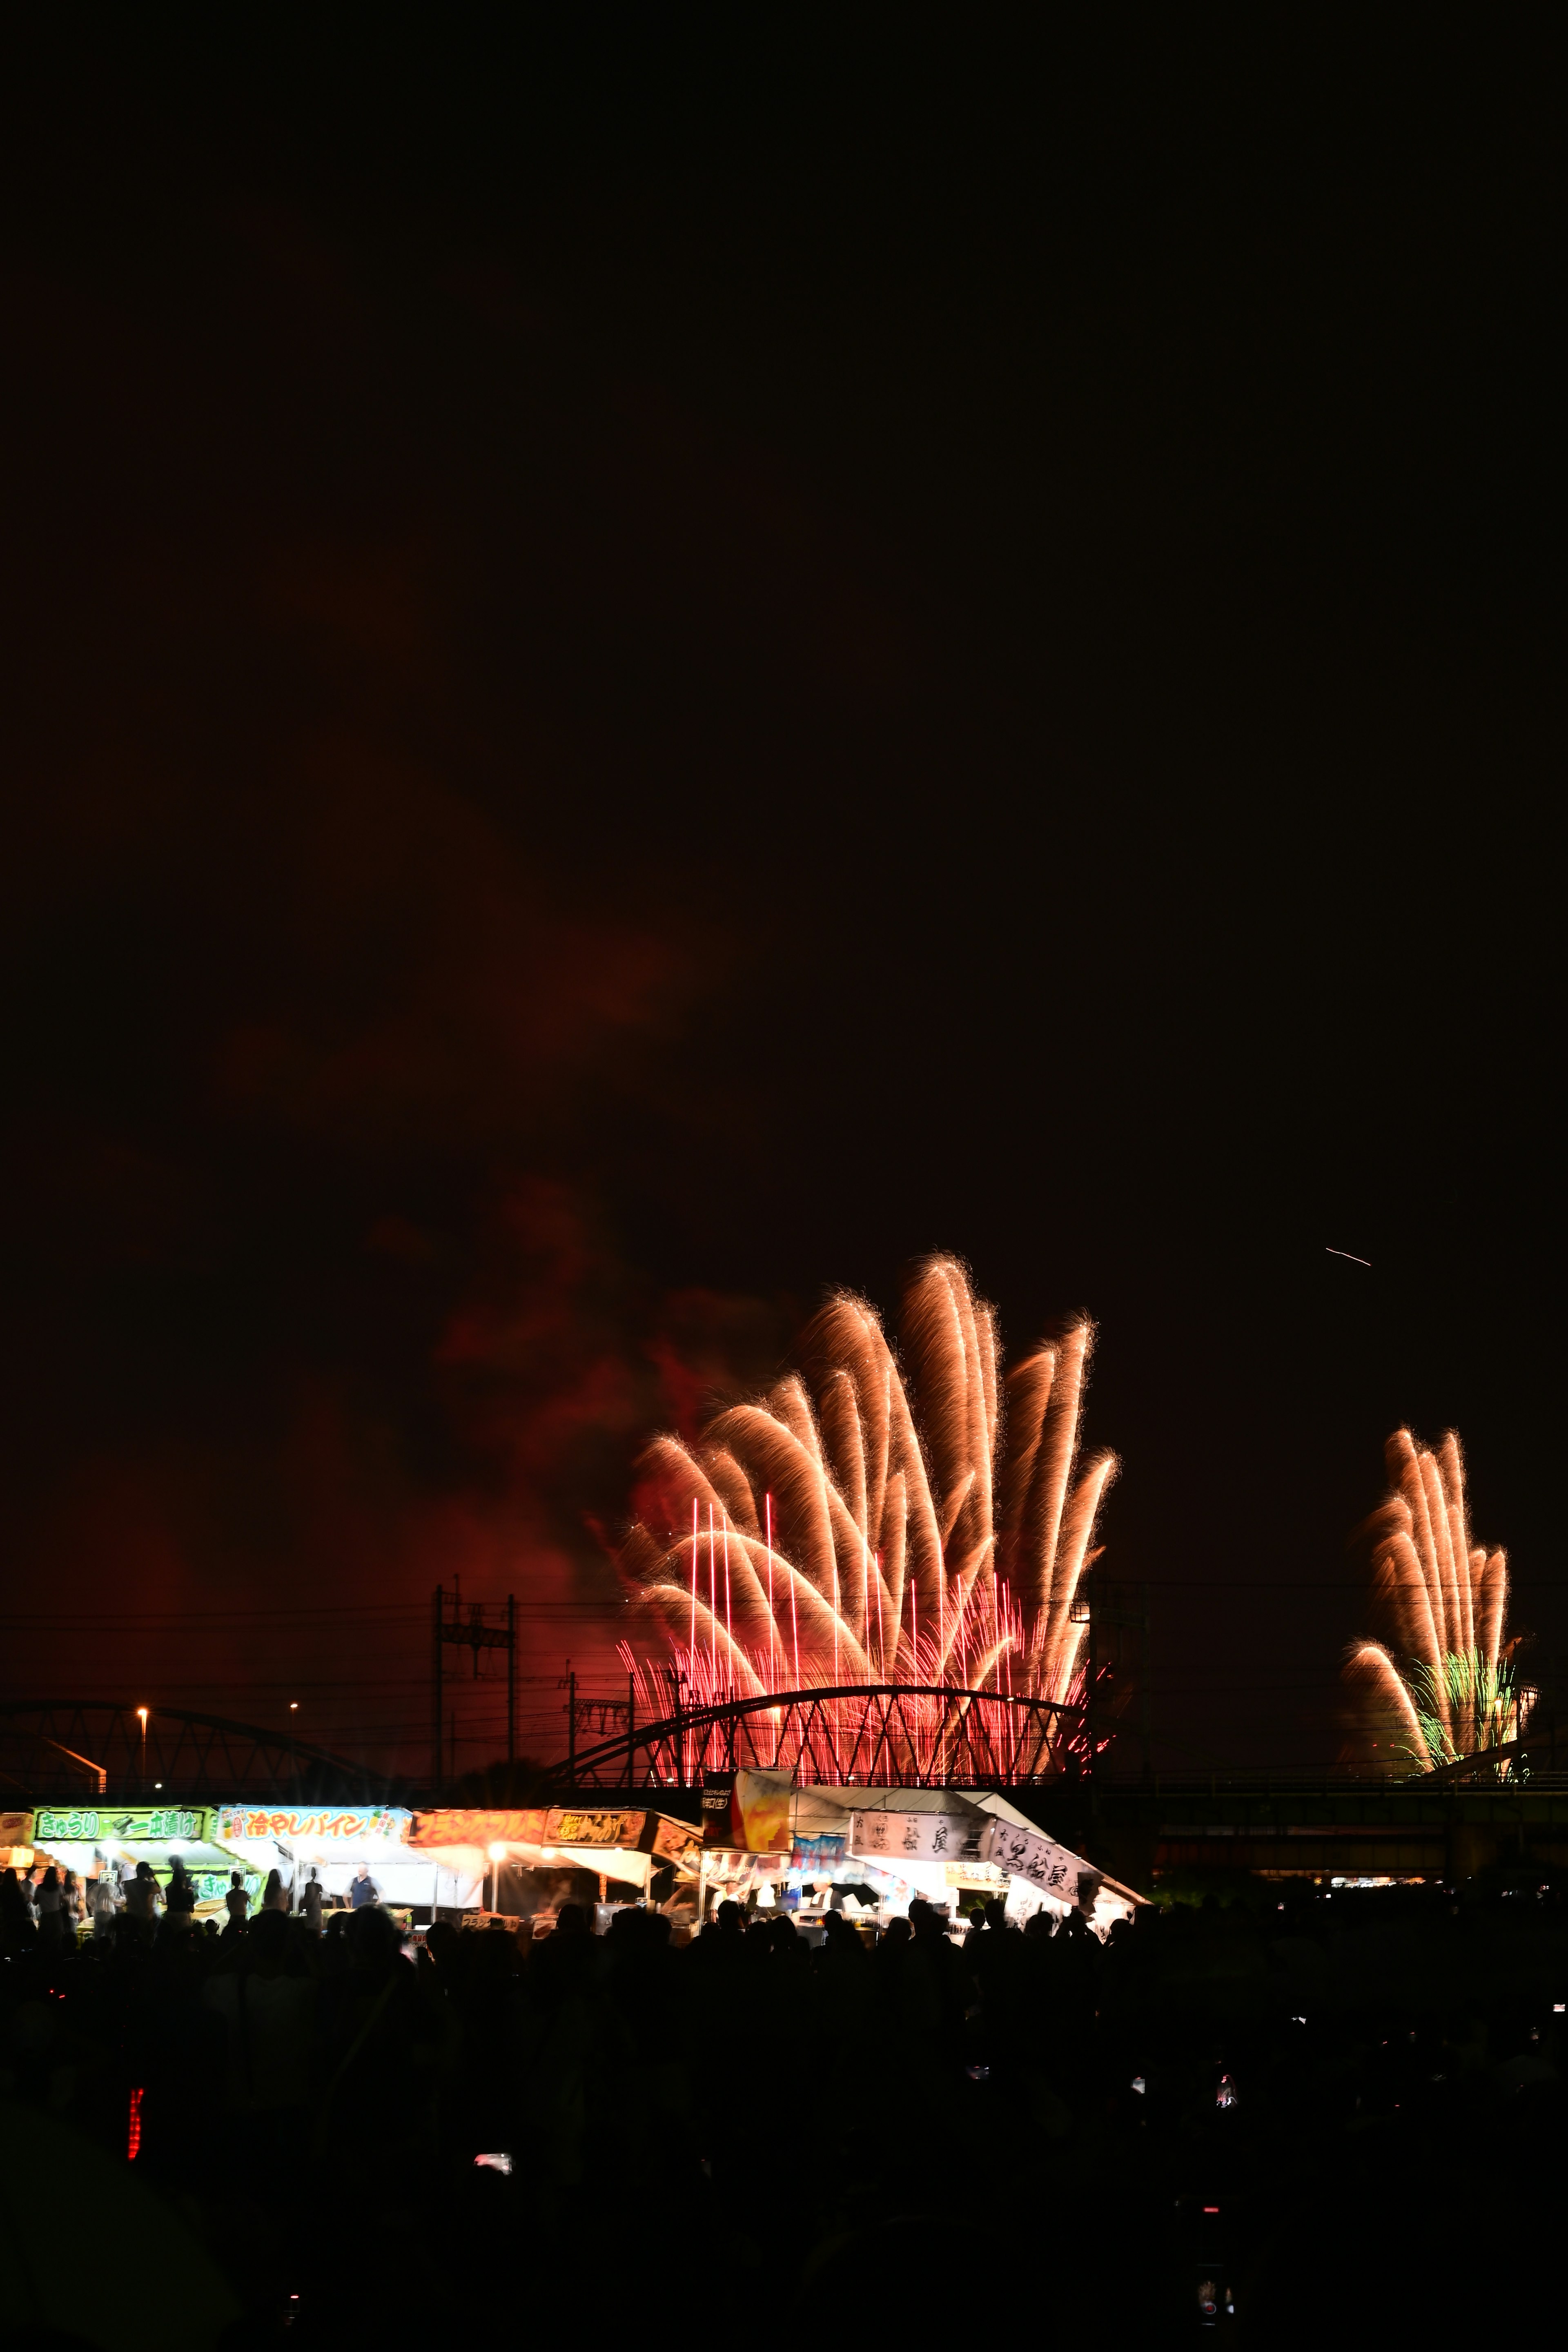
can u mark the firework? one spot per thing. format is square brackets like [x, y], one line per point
[1446, 1677]
[879, 1518]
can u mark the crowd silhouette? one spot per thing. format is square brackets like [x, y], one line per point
[1252, 2118]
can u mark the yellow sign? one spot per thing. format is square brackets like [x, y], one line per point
[565, 1826]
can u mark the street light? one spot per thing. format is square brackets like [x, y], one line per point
[142, 1713]
[498, 1856]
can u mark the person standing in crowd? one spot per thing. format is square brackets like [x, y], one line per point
[144, 1896]
[105, 1901]
[71, 1902]
[310, 1902]
[29, 1886]
[50, 1923]
[363, 1888]
[273, 1898]
[16, 1930]
[181, 1899]
[237, 1903]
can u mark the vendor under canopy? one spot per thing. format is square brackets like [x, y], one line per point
[938, 1843]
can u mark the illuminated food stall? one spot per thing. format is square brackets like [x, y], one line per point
[333, 1841]
[90, 1839]
[871, 1852]
[525, 1853]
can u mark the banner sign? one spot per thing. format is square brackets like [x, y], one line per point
[15, 1829]
[567, 1825]
[676, 1842]
[893, 1838]
[601, 1826]
[470, 1825]
[816, 1854]
[752, 1817]
[346, 1824]
[1043, 1862]
[132, 1824]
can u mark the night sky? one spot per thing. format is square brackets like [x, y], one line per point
[646, 676]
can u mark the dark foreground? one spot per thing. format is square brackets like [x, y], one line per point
[1320, 2120]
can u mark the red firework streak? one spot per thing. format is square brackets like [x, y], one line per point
[133, 2126]
[886, 1487]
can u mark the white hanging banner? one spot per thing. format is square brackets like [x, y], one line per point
[1024, 1855]
[914, 1837]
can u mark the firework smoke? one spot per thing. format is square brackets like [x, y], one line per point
[1447, 1677]
[881, 1518]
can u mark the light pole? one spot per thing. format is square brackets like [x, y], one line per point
[142, 1712]
[498, 1856]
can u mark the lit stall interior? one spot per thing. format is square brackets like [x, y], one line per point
[90, 1839]
[527, 1860]
[869, 1853]
[335, 1842]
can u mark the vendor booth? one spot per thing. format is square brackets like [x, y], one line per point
[96, 1838]
[335, 1842]
[871, 1851]
[449, 1860]
[526, 1852]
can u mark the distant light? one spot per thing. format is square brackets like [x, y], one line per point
[157, 1784]
[499, 2162]
[293, 1707]
[1138, 2083]
[1558, 2008]
[498, 1853]
[142, 1713]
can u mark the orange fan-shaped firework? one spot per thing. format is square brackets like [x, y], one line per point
[1446, 1677]
[879, 1518]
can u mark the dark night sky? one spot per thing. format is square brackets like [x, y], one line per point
[646, 676]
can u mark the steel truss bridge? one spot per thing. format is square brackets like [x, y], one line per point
[885, 1735]
[84, 1748]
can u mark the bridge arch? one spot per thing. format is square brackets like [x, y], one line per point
[896, 1735]
[54, 1749]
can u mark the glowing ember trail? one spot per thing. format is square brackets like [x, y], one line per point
[909, 1520]
[1450, 1689]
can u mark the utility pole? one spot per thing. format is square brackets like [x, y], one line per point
[473, 1635]
[571, 1725]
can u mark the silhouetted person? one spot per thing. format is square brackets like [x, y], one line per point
[272, 1895]
[51, 1924]
[180, 1900]
[362, 1889]
[237, 1903]
[310, 1902]
[144, 1896]
[17, 1928]
[105, 1901]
